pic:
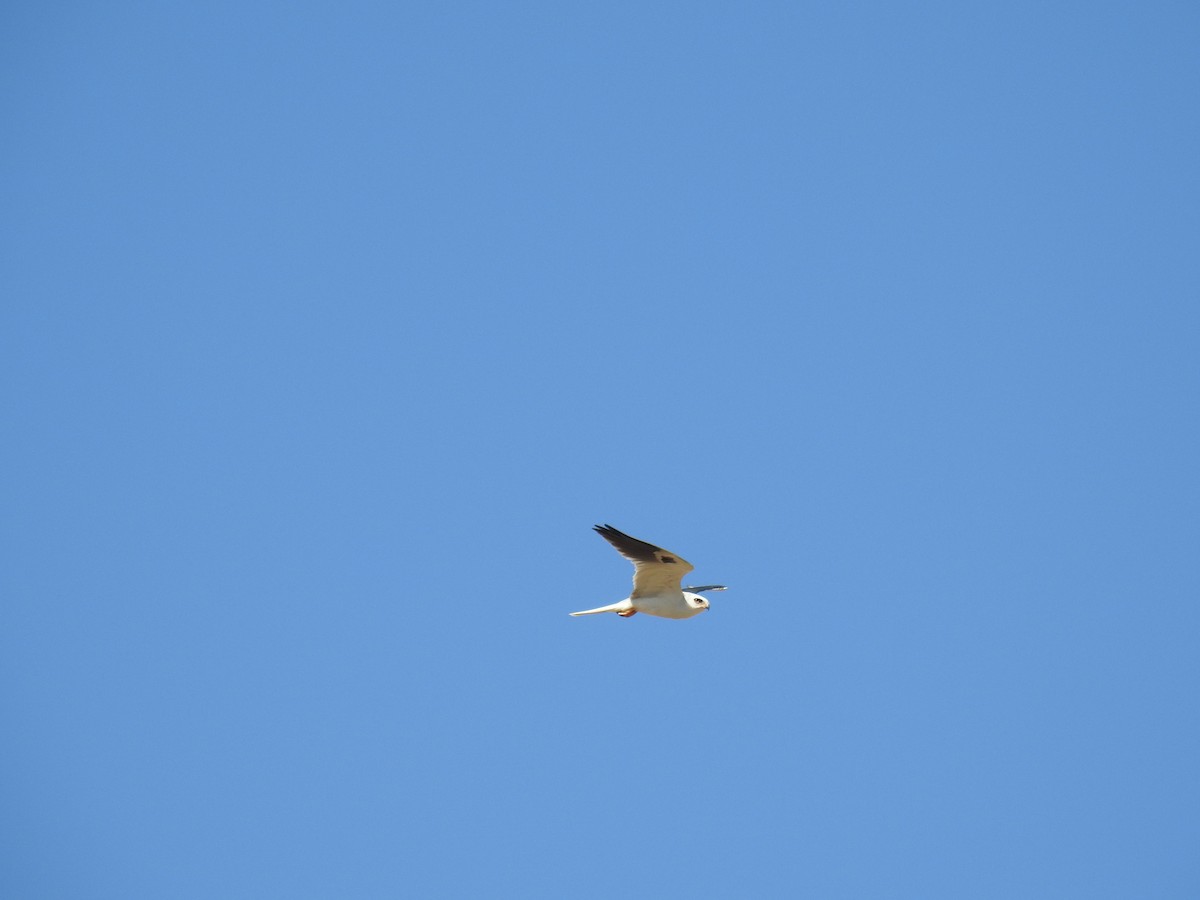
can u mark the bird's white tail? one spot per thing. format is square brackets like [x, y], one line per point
[612, 607]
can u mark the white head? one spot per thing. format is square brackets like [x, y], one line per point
[695, 601]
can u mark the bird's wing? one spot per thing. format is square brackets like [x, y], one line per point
[655, 570]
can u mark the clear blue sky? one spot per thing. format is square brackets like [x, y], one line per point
[330, 330]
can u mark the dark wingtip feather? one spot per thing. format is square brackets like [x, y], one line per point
[629, 547]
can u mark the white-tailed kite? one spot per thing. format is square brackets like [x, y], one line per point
[656, 578]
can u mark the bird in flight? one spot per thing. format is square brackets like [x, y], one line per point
[657, 575]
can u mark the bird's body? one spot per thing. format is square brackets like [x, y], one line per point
[657, 577]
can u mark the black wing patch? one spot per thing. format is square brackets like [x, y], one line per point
[631, 548]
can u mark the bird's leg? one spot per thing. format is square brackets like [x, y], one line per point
[627, 613]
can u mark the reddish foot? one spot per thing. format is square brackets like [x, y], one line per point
[627, 613]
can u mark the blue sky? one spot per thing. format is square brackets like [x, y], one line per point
[331, 330]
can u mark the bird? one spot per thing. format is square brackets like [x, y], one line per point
[657, 576]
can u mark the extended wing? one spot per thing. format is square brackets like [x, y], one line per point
[655, 570]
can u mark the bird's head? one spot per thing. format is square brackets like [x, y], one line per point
[694, 599]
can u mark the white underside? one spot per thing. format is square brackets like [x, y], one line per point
[666, 606]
